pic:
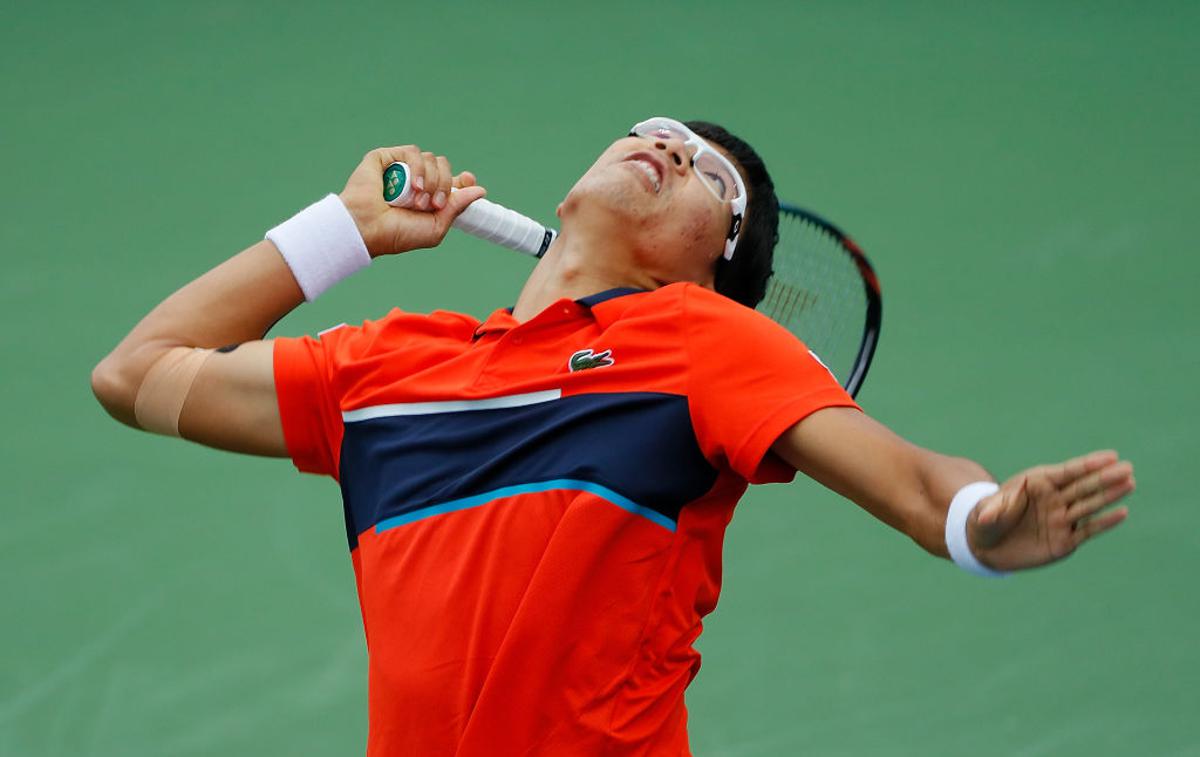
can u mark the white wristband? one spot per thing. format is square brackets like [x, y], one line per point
[321, 245]
[956, 527]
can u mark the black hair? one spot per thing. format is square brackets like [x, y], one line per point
[744, 278]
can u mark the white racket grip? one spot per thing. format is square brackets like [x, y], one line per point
[482, 218]
[507, 228]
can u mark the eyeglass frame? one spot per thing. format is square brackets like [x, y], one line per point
[737, 205]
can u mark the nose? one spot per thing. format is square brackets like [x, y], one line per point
[676, 151]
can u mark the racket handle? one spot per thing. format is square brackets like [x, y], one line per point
[483, 219]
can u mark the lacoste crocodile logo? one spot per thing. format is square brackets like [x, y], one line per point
[585, 359]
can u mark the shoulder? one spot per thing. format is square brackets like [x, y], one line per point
[693, 313]
[714, 332]
[683, 298]
[399, 329]
[709, 316]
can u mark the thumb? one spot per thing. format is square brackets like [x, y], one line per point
[458, 202]
[1003, 510]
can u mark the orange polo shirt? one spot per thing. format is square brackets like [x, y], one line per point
[535, 510]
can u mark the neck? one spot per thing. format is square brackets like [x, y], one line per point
[574, 267]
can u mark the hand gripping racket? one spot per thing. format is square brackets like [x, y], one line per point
[823, 288]
[482, 218]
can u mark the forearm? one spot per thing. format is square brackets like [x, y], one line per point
[910, 488]
[939, 479]
[156, 381]
[904, 485]
[1038, 516]
[235, 302]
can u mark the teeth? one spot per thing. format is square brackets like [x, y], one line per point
[650, 173]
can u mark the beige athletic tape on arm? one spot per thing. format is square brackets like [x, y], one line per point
[165, 388]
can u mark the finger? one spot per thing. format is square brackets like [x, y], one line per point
[990, 508]
[1099, 524]
[1064, 473]
[410, 155]
[1005, 503]
[1000, 512]
[464, 179]
[385, 156]
[1116, 474]
[429, 180]
[444, 179]
[458, 202]
[1099, 500]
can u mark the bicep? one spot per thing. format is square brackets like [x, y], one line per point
[232, 405]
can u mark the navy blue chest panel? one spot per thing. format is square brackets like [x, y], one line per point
[637, 450]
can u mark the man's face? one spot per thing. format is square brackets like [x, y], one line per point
[643, 195]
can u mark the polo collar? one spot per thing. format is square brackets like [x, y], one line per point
[502, 319]
[595, 299]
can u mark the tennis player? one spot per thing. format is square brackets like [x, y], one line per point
[535, 503]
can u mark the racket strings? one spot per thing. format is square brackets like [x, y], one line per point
[816, 292]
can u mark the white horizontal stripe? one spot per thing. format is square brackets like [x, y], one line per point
[449, 406]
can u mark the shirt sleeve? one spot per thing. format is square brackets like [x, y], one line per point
[311, 416]
[347, 366]
[750, 380]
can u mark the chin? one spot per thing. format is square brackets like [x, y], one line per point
[613, 196]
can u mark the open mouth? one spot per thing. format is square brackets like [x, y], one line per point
[649, 167]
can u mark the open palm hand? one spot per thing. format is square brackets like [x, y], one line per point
[1043, 514]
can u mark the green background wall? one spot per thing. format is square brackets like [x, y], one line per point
[1022, 173]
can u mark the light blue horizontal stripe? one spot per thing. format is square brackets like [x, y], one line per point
[568, 484]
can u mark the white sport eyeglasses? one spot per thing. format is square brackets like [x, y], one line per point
[714, 169]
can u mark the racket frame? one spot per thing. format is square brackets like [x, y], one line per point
[871, 288]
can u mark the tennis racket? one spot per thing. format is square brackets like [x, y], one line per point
[823, 288]
[482, 218]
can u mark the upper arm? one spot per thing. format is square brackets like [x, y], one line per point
[232, 403]
[902, 484]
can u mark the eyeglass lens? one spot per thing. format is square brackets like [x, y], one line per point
[708, 167]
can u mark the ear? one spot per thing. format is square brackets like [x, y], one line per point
[558, 210]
